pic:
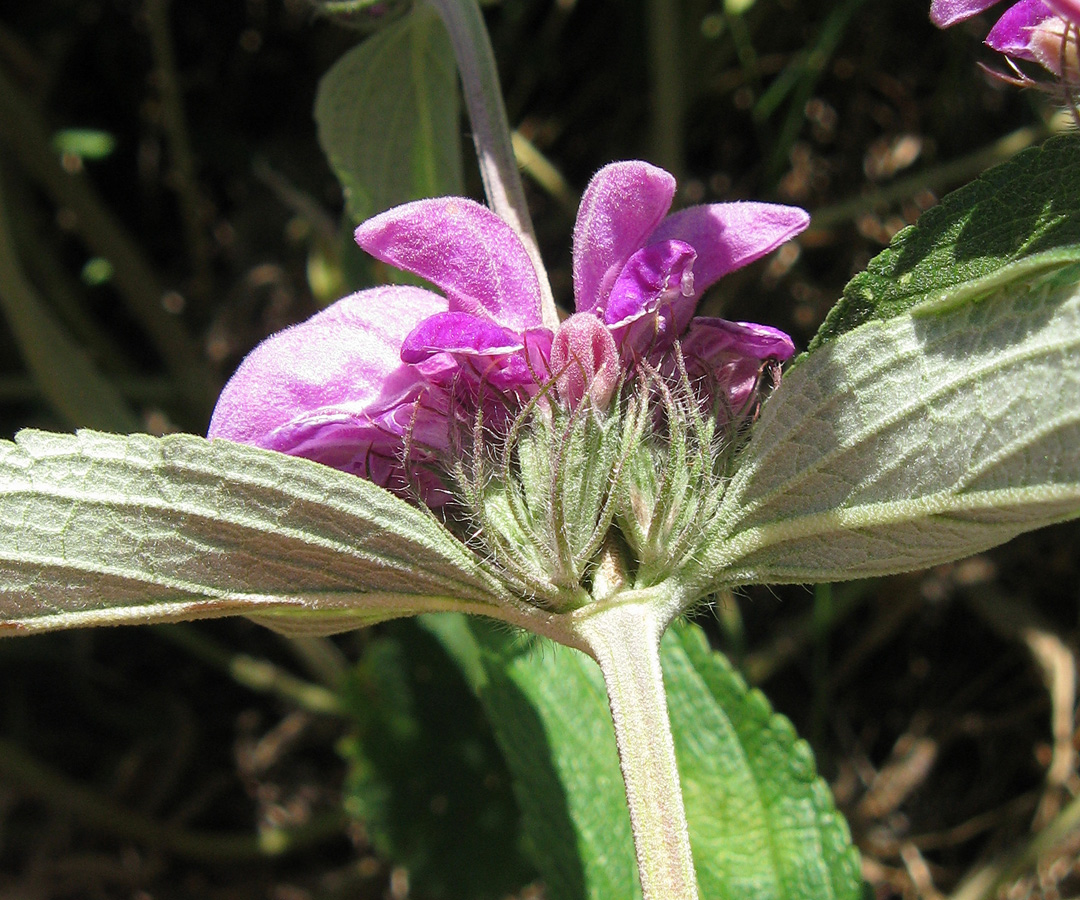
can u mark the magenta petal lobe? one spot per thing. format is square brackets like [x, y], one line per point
[333, 388]
[622, 205]
[728, 236]
[727, 358]
[944, 13]
[464, 249]
[657, 276]
[1067, 9]
[457, 332]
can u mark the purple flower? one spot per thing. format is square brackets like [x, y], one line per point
[390, 368]
[1033, 31]
[944, 13]
[379, 383]
[642, 272]
[1041, 31]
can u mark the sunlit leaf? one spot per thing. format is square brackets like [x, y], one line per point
[1021, 217]
[913, 441]
[97, 529]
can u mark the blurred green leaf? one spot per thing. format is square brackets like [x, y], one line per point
[97, 271]
[85, 143]
[762, 824]
[387, 114]
[426, 777]
[66, 375]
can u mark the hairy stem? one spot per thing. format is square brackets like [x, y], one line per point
[624, 639]
[491, 133]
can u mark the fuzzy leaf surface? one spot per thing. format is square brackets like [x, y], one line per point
[98, 529]
[913, 441]
[387, 116]
[762, 824]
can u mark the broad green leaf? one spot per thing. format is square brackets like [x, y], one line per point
[387, 114]
[912, 441]
[426, 778]
[762, 824]
[97, 529]
[1019, 218]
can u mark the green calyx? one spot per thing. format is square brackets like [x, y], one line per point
[584, 507]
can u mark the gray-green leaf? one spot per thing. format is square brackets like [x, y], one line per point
[913, 441]
[387, 114]
[98, 529]
[762, 824]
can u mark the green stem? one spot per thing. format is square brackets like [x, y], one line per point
[491, 133]
[624, 639]
[256, 674]
[666, 88]
[185, 181]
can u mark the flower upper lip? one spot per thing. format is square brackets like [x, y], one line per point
[644, 271]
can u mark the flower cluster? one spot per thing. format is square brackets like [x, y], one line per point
[377, 383]
[1046, 32]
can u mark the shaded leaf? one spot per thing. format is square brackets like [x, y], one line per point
[426, 777]
[98, 529]
[762, 824]
[387, 114]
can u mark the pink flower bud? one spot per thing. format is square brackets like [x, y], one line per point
[584, 359]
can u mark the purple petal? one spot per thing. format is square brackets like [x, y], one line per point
[334, 388]
[727, 357]
[944, 13]
[480, 352]
[707, 338]
[728, 236]
[659, 275]
[622, 205]
[458, 332]
[585, 360]
[1067, 9]
[464, 249]
[1015, 32]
